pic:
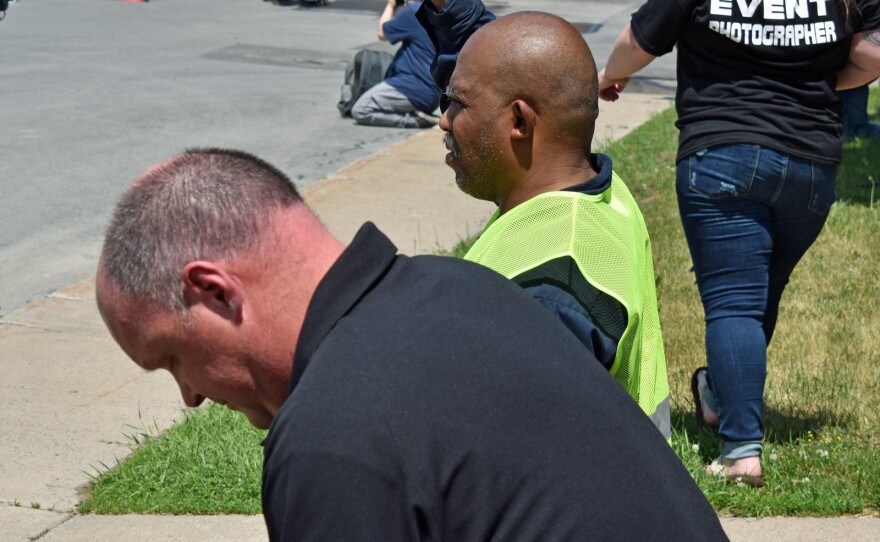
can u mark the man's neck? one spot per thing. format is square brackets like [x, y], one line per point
[547, 179]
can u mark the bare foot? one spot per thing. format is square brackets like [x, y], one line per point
[746, 470]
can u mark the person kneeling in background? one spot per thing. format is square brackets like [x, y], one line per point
[408, 95]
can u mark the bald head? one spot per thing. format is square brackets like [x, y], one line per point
[543, 60]
[206, 204]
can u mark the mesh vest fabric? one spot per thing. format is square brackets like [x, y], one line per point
[605, 236]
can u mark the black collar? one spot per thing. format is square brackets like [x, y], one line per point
[354, 274]
[599, 183]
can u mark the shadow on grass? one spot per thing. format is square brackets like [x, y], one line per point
[779, 428]
[860, 156]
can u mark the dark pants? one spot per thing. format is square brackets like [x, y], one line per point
[855, 114]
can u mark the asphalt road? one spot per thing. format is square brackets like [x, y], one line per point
[92, 92]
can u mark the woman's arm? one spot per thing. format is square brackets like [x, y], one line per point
[626, 58]
[864, 61]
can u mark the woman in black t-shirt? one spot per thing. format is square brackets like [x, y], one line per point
[759, 146]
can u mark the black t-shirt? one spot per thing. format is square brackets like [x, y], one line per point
[757, 71]
[433, 399]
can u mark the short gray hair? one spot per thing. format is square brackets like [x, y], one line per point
[206, 204]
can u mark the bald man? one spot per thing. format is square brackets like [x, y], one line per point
[407, 399]
[521, 105]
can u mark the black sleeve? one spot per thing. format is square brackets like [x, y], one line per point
[448, 30]
[658, 24]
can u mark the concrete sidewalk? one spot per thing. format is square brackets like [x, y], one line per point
[70, 397]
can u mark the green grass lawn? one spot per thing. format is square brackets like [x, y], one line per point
[209, 464]
[822, 409]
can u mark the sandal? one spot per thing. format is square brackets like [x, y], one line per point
[698, 400]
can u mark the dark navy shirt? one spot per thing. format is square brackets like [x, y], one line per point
[448, 29]
[410, 71]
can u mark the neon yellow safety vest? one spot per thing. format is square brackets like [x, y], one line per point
[596, 247]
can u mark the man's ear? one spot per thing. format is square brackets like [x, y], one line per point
[211, 286]
[523, 120]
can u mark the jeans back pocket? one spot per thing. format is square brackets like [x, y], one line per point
[725, 172]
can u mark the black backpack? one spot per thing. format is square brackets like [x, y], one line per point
[366, 69]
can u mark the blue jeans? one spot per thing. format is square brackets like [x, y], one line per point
[749, 214]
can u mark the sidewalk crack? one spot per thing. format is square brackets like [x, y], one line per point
[49, 529]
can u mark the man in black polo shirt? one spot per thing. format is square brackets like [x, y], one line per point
[420, 398]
